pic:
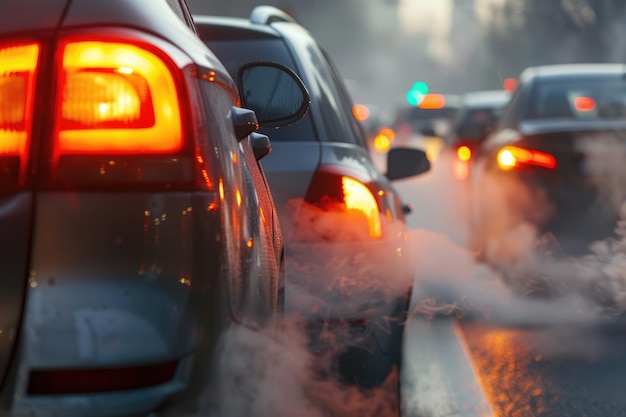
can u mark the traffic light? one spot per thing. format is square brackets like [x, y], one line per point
[417, 92]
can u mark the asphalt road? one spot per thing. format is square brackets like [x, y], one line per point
[514, 357]
[472, 368]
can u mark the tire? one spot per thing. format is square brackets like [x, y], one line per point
[369, 363]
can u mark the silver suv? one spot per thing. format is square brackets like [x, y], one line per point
[347, 266]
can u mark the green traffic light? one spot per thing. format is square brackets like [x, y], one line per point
[417, 92]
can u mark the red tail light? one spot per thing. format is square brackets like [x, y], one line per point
[119, 117]
[432, 102]
[358, 197]
[460, 164]
[584, 104]
[85, 381]
[336, 193]
[18, 66]
[511, 157]
[464, 153]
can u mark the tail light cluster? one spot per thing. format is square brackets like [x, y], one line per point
[508, 158]
[117, 116]
[460, 164]
[511, 157]
[357, 204]
[18, 67]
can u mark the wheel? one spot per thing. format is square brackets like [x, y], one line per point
[369, 363]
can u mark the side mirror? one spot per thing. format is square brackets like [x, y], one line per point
[261, 145]
[244, 122]
[274, 92]
[406, 162]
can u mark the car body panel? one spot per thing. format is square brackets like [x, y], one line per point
[15, 219]
[43, 15]
[150, 16]
[362, 286]
[100, 277]
[289, 170]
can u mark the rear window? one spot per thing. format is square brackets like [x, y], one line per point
[474, 123]
[586, 99]
[235, 53]
[417, 114]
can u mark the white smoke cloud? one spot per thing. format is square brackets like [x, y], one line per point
[257, 373]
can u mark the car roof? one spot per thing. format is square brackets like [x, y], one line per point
[234, 27]
[486, 98]
[573, 71]
[38, 15]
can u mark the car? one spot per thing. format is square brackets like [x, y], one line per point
[550, 160]
[137, 227]
[427, 123]
[343, 221]
[476, 118]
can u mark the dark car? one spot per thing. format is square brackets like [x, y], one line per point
[476, 118]
[428, 123]
[130, 194]
[559, 143]
[343, 220]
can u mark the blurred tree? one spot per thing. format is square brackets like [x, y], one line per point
[541, 32]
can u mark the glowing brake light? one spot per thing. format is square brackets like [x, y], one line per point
[351, 210]
[361, 112]
[584, 104]
[460, 166]
[116, 98]
[358, 197]
[511, 157]
[432, 102]
[18, 67]
[464, 153]
[383, 140]
[17, 77]
[510, 85]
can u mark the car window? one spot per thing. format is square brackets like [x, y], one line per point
[578, 99]
[336, 120]
[182, 11]
[346, 102]
[235, 53]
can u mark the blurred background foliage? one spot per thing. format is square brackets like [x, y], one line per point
[383, 46]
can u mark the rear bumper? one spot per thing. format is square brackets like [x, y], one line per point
[115, 283]
[349, 293]
[119, 403]
[576, 213]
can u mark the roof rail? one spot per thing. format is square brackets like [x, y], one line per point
[265, 15]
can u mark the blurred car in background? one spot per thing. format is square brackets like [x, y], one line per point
[428, 123]
[555, 160]
[130, 195]
[342, 219]
[379, 135]
[474, 121]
